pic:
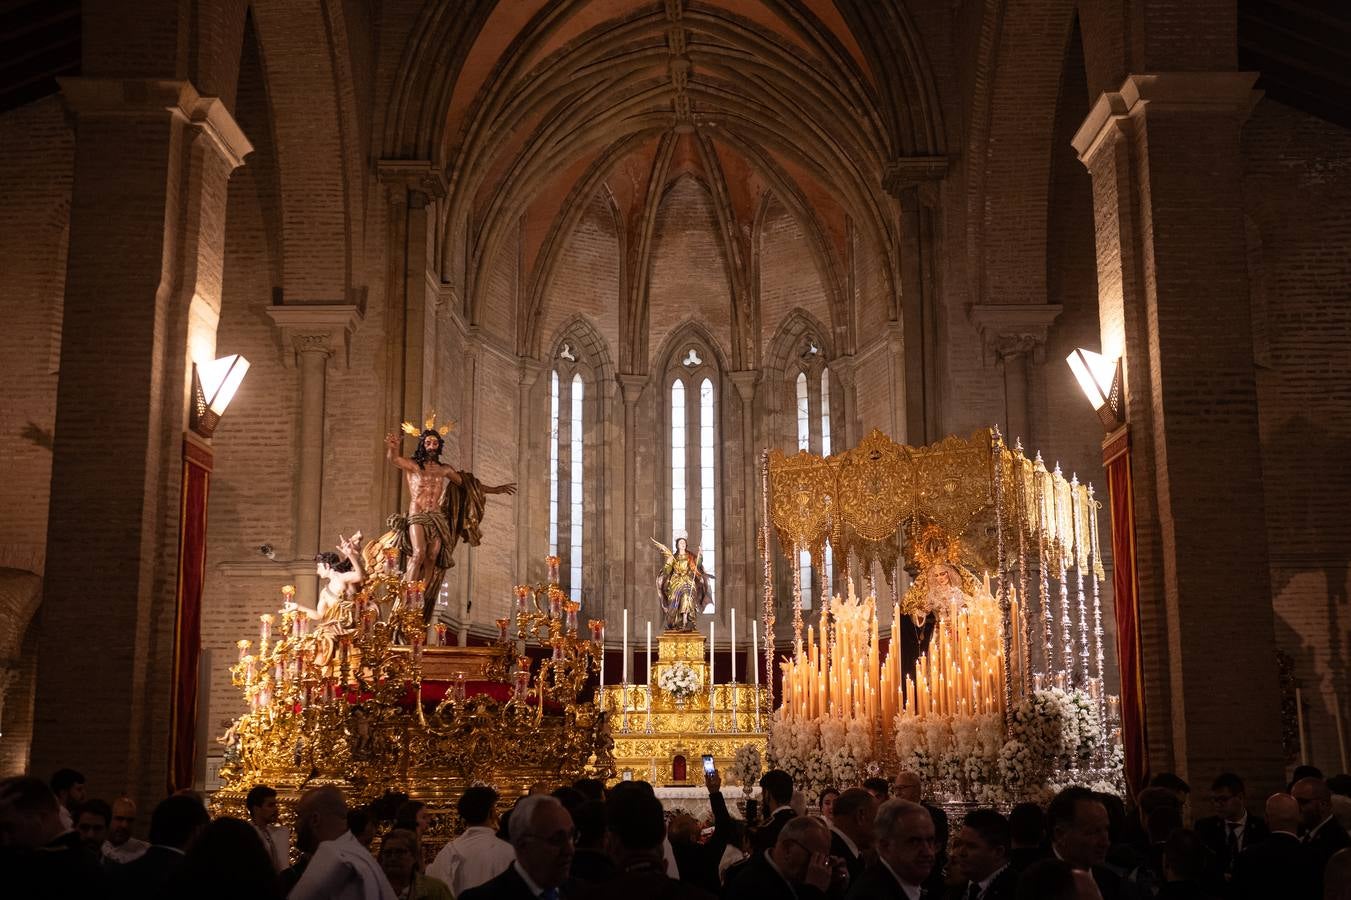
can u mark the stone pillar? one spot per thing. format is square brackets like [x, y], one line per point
[412, 189]
[147, 229]
[900, 386]
[310, 335]
[526, 378]
[843, 368]
[745, 382]
[632, 388]
[1167, 168]
[1013, 336]
[914, 182]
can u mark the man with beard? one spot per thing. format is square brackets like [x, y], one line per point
[340, 868]
[445, 506]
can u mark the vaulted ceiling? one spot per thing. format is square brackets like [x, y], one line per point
[536, 106]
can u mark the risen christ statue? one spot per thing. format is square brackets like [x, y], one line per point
[445, 506]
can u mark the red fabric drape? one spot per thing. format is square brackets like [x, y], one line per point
[197, 461]
[1125, 589]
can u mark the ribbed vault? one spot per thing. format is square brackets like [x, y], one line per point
[533, 107]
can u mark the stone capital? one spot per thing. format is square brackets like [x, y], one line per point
[632, 386]
[315, 328]
[913, 171]
[745, 381]
[1198, 93]
[529, 372]
[145, 97]
[1014, 329]
[416, 176]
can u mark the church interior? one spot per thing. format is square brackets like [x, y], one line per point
[630, 260]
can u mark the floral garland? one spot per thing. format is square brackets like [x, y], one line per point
[680, 681]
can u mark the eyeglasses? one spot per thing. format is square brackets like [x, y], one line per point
[558, 839]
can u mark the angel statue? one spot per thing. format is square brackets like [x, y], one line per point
[682, 585]
[445, 506]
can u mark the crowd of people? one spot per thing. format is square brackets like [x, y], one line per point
[876, 841]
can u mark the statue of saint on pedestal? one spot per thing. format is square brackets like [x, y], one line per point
[445, 506]
[682, 585]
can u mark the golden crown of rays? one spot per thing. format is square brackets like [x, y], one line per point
[429, 425]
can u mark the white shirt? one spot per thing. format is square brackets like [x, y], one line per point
[1238, 829]
[342, 869]
[277, 840]
[911, 891]
[474, 858]
[130, 849]
[668, 853]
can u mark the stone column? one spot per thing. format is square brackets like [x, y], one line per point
[526, 378]
[412, 189]
[147, 229]
[914, 182]
[310, 335]
[843, 368]
[632, 388]
[1167, 168]
[745, 382]
[1013, 336]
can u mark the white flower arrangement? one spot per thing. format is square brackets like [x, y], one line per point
[746, 767]
[680, 681]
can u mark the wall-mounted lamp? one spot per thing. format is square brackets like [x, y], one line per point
[1100, 380]
[213, 387]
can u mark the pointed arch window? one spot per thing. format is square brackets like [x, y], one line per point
[567, 465]
[810, 392]
[692, 420]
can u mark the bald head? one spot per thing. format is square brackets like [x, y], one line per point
[1314, 799]
[321, 815]
[1282, 813]
[807, 830]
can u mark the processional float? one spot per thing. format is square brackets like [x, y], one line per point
[1003, 704]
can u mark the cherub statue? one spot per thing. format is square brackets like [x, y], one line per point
[682, 585]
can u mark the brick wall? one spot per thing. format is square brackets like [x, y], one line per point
[36, 158]
[689, 274]
[586, 280]
[788, 275]
[1297, 192]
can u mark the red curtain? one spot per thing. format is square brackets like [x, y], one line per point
[197, 461]
[1125, 589]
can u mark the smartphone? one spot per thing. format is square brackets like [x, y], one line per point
[708, 764]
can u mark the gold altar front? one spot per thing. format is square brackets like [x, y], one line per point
[646, 744]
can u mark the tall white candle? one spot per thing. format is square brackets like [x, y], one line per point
[734, 646]
[711, 645]
[755, 650]
[649, 666]
[626, 646]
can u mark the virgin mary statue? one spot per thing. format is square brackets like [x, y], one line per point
[682, 585]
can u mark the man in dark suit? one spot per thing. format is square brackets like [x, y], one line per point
[776, 787]
[634, 830]
[1231, 830]
[542, 835]
[1027, 836]
[905, 855]
[39, 856]
[908, 786]
[173, 825]
[1277, 867]
[797, 867]
[1323, 835]
[980, 858]
[1081, 835]
[851, 830]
